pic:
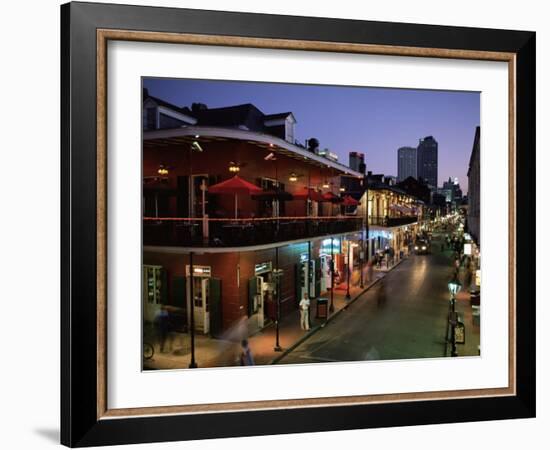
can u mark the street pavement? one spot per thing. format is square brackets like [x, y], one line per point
[402, 316]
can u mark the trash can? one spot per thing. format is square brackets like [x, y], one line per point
[322, 308]
[474, 298]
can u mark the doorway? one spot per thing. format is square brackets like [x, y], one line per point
[206, 304]
[261, 294]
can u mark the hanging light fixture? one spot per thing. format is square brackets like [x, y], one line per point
[326, 184]
[234, 167]
[162, 170]
[293, 177]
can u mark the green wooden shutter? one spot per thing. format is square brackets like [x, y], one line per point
[215, 306]
[251, 294]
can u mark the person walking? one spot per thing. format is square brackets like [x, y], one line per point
[162, 322]
[304, 312]
[246, 357]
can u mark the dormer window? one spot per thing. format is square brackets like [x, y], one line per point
[150, 119]
[289, 129]
[281, 125]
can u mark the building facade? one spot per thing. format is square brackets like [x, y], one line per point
[241, 257]
[394, 216]
[427, 161]
[473, 224]
[406, 163]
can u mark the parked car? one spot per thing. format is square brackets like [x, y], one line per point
[421, 247]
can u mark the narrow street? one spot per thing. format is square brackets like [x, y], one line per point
[403, 316]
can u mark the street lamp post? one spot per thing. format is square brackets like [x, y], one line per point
[454, 286]
[193, 364]
[361, 257]
[277, 347]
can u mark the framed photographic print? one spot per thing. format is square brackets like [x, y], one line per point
[276, 224]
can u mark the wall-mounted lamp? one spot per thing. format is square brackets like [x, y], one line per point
[162, 170]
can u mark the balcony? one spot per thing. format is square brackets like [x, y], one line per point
[392, 221]
[184, 232]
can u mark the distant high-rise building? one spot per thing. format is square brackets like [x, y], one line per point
[406, 163]
[451, 190]
[357, 161]
[426, 164]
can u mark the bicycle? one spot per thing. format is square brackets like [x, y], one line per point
[148, 351]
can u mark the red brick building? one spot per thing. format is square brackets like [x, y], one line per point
[252, 255]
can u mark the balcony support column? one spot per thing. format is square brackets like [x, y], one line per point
[331, 308]
[348, 296]
[277, 347]
[193, 364]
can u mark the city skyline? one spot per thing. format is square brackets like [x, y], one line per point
[380, 120]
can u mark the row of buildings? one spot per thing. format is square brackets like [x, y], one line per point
[236, 208]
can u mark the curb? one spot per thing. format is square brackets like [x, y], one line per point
[319, 327]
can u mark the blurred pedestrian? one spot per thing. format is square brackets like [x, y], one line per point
[246, 357]
[304, 312]
[162, 323]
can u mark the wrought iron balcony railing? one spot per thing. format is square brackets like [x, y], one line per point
[185, 232]
[392, 221]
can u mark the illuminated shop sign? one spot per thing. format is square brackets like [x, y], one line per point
[380, 233]
[262, 268]
[199, 271]
[326, 244]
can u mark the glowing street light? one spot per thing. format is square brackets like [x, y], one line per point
[454, 287]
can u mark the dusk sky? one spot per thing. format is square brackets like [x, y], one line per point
[375, 121]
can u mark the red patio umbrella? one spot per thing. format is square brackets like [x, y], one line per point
[330, 197]
[311, 194]
[350, 201]
[235, 186]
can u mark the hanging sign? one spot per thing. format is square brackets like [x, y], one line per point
[262, 268]
[199, 271]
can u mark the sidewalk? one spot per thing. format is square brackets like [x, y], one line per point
[465, 312]
[471, 328]
[211, 352]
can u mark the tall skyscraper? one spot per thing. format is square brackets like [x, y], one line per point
[427, 160]
[406, 163]
[357, 161]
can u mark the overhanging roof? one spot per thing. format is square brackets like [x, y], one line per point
[185, 135]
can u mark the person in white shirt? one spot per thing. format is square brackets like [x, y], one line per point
[304, 312]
